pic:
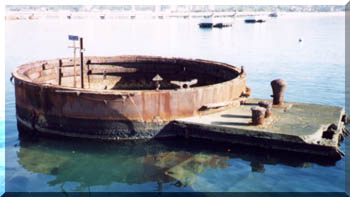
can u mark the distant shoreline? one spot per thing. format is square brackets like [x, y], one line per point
[55, 15]
[340, 13]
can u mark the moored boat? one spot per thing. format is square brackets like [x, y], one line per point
[253, 20]
[250, 20]
[206, 25]
[221, 25]
[273, 14]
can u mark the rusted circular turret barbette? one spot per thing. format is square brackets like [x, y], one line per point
[122, 97]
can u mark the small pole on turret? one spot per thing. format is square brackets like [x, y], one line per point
[75, 50]
[59, 73]
[74, 38]
[104, 79]
[81, 64]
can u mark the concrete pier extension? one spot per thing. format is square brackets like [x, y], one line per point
[298, 127]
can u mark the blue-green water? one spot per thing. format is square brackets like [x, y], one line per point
[314, 70]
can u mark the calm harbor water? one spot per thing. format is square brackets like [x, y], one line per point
[313, 68]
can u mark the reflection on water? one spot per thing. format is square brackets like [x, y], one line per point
[175, 161]
[102, 163]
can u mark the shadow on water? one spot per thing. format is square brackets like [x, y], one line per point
[175, 161]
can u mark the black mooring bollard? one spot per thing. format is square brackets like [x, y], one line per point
[258, 115]
[278, 88]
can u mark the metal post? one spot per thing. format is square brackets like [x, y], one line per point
[43, 66]
[258, 115]
[278, 88]
[267, 106]
[104, 79]
[59, 75]
[81, 64]
[74, 84]
[87, 72]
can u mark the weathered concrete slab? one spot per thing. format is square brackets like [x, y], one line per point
[296, 123]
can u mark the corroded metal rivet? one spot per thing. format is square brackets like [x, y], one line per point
[258, 115]
[278, 88]
[267, 106]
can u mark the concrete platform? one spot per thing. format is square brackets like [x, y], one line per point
[297, 127]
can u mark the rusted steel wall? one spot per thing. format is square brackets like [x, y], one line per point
[148, 106]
